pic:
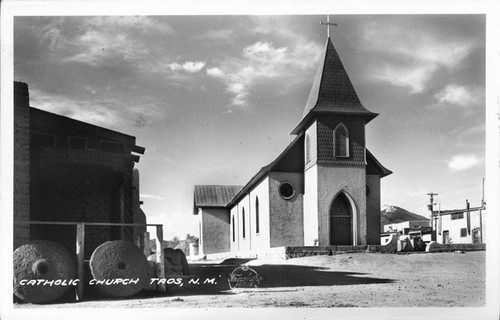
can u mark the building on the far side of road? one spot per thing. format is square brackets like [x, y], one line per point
[407, 229]
[323, 189]
[461, 226]
[68, 171]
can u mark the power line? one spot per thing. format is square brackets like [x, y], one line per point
[415, 200]
[463, 188]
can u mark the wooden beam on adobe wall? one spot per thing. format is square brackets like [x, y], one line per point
[138, 149]
[162, 287]
[80, 253]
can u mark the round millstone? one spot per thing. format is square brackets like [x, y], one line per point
[120, 260]
[42, 260]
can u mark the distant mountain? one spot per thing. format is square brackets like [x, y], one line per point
[394, 214]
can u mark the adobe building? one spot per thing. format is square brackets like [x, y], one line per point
[461, 226]
[71, 171]
[323, 189]
[210, 203]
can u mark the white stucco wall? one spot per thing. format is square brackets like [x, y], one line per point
[215, 230]
[252, 241]
[311, 206]
[261, 240]
[200, 229]
[331, 181]
[312, 131]
[454, 226]
[287, 219]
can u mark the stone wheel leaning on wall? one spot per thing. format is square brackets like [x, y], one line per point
[42, 260]
[120, 260]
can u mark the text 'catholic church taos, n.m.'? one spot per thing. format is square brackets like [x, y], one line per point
[323, 189]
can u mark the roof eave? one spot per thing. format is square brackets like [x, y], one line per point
[313, 113]
[89, 125]
[453, 211]
[384, 171]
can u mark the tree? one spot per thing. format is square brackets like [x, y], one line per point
[191, 239]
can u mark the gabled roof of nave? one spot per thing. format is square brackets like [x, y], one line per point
[214, 195]
[332, 91]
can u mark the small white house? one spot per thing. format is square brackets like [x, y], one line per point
[458, 226]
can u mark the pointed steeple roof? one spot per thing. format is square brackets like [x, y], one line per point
[332, 91]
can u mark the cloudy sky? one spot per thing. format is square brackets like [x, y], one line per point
[213, 98]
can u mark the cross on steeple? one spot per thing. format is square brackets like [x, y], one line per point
[328, 24]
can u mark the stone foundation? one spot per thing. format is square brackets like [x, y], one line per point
[297, 252]
[451, 247]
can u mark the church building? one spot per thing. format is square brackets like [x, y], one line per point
[323, 189]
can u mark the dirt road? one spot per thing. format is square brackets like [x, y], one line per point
[343, 280]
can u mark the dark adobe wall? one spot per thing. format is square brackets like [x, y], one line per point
[75, 172]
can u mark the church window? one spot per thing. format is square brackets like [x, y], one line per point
[234, 233]
[463, 232]
[286, 190]
[308, 147]
[341, 141]
[457, 216]
[257, 224]
[243, 219]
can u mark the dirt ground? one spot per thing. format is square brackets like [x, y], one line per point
[343, 280]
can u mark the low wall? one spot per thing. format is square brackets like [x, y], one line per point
[451, 247]
[278, 252]
[297, 252]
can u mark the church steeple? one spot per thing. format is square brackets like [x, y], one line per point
[332, 91]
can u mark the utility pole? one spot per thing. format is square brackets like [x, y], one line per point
[440, 221]
[467, 207]
[431, 209]
[481, 216]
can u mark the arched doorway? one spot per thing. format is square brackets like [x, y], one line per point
[341, 221]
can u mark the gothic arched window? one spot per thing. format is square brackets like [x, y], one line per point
[341, 141]
[243, 221]
[234, 231]
[257, 224]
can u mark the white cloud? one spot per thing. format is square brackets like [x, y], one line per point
[260, 61]
[215, 72]
[457, 95]
[413, 77]
[224, 34]
[189, 66]
[52, 35]
[98, 48]
[106, 40]
[415, 54]
[142, 23]
[463, 162]
[151, 197]
[87, 111]
[105, 112]
[265, 60]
